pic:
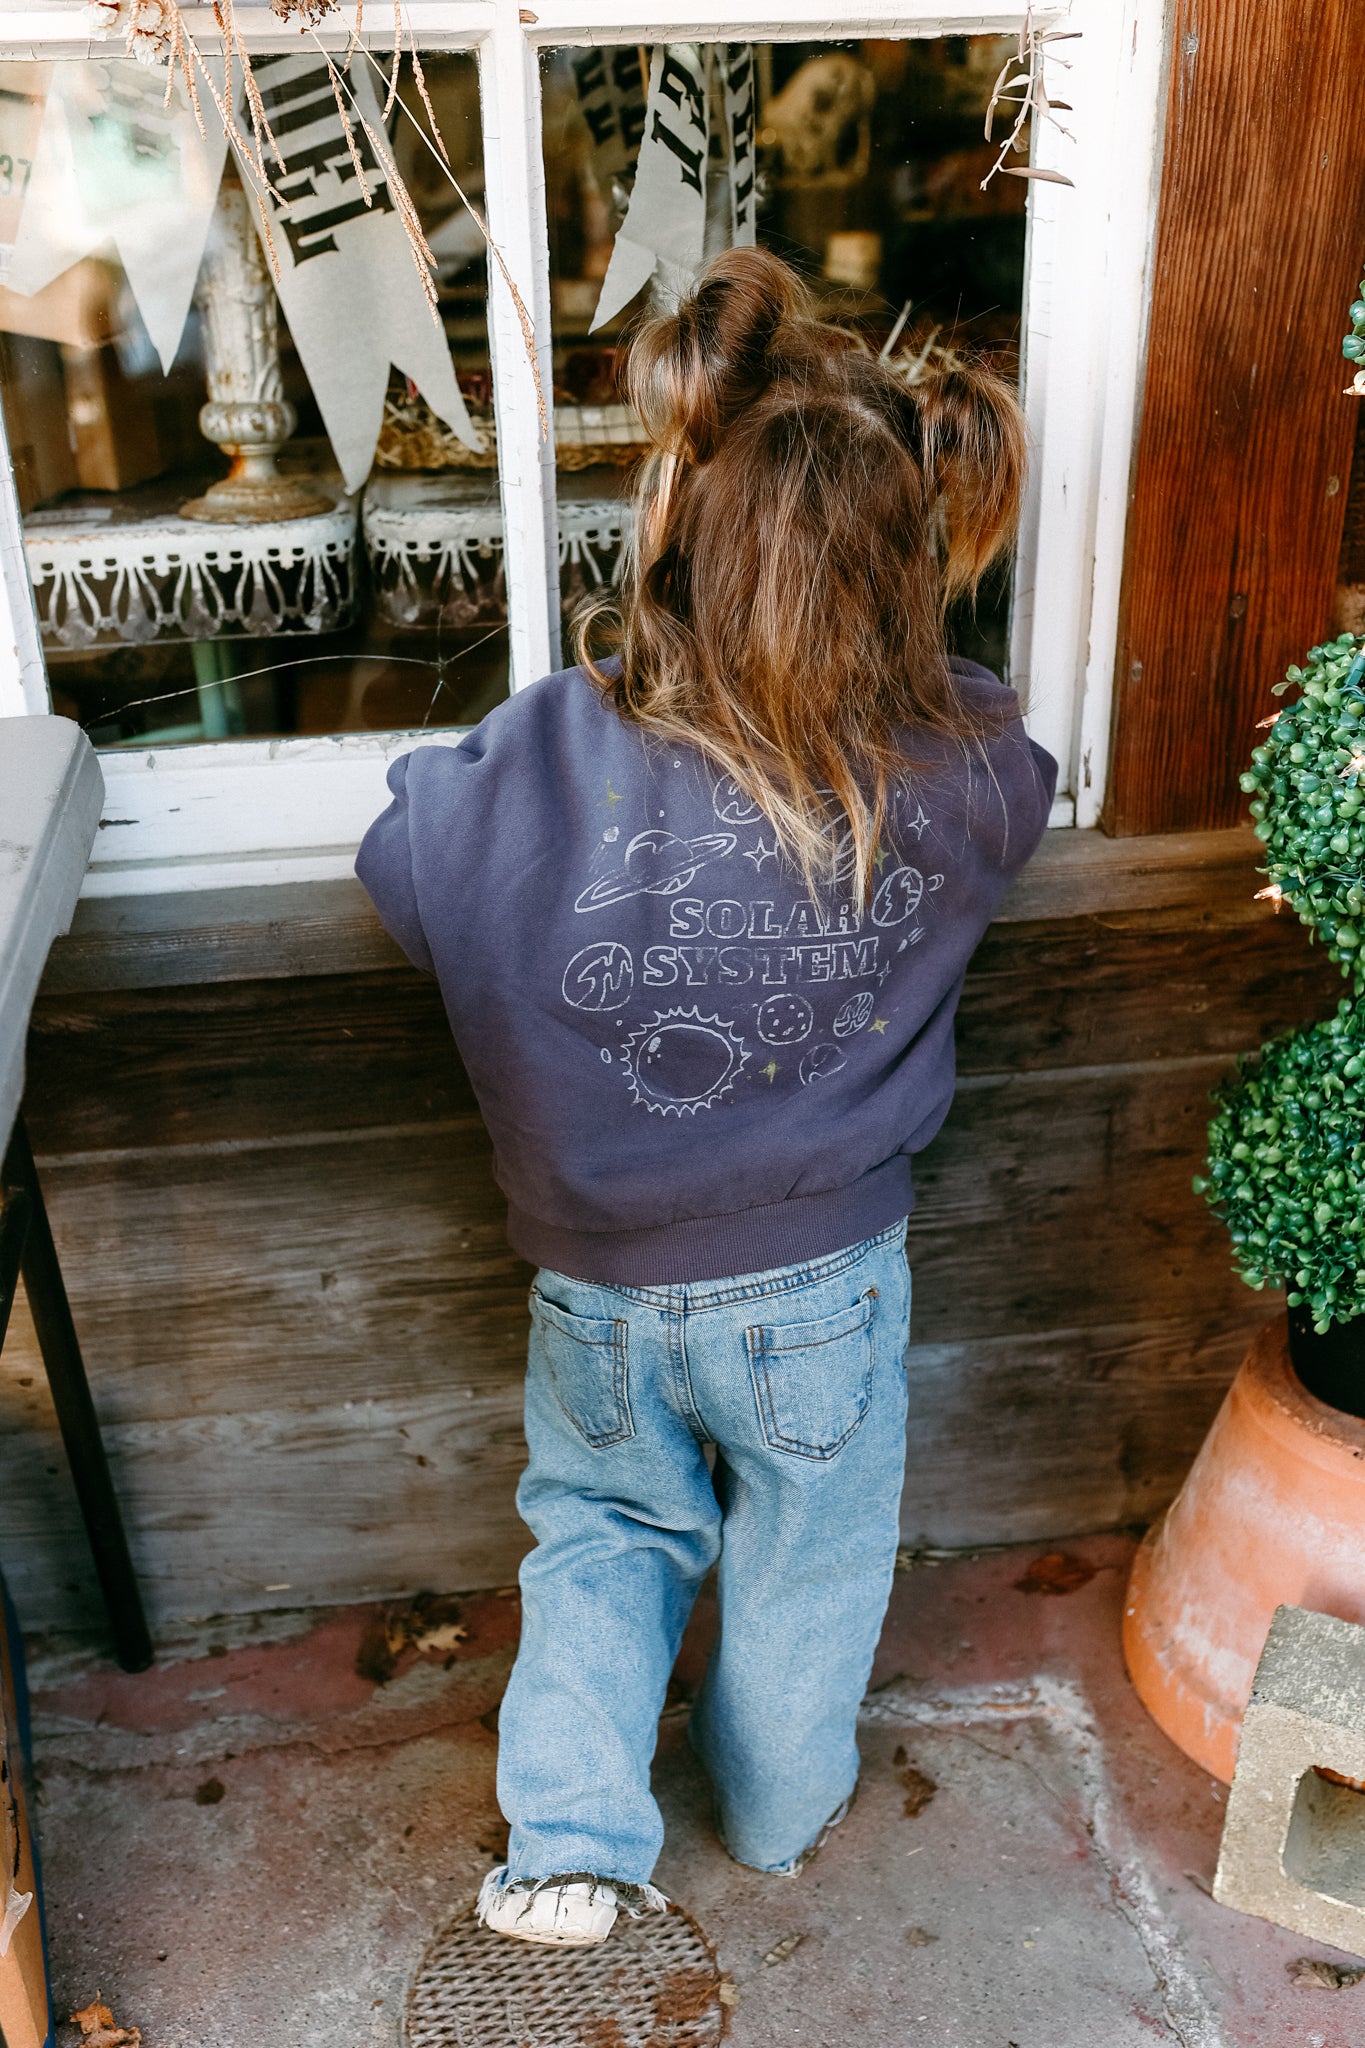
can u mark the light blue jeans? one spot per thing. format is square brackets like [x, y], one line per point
[797, 1377]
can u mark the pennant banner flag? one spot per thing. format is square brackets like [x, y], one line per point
[611, 98]
[347, 280]
[737, 78]
[113, 163]
[664, 231]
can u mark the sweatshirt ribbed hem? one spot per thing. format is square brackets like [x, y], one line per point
[721, 1247]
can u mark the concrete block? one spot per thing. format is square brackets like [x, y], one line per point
[1293, 1848]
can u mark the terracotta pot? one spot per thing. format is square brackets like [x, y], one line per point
[1273, 1510]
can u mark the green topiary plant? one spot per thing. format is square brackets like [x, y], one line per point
[1286, 1168]
[1308, 799]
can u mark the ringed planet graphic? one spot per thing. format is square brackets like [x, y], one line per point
[657, 863]
[853, 1014]
[785, 1020]
[682, 1062]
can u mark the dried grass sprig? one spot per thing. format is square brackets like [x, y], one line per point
[397, 56]
[349, 132]
[420, 80]
[180, 55]
[1023, 87]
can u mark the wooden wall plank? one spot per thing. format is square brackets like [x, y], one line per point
[240, 1062]
[286, 1255]
[217, 1282]
[1013, 1440]
[286, 930]
[1245, 443]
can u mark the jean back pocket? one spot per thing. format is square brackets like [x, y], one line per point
[813, 1381]
[588, 1370]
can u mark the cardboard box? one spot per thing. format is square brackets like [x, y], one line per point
[35, 415]
[76, 308]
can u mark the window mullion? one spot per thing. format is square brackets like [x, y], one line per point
[23, 673]
[515, 184]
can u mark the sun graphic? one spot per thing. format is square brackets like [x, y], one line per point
[681, 1062]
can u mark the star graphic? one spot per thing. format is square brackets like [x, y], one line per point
[879, 858]
[879, 1025]
[771, 1071]
[884, 975]
[613, 795]
[758, 854]
[918, 822]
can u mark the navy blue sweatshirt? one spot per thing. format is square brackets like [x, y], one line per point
[689, 1067]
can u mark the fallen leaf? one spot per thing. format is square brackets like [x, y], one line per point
[99, 2029]
[1319, 1976]
[780, 1950]
[429, 1623]
[919, 1937]
[727, 1991]
[918, 1786]
[439, 1641]
[1058, 1572]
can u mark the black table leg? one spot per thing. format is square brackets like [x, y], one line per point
[80, 1428]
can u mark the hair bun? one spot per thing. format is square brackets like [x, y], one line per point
[747, 322]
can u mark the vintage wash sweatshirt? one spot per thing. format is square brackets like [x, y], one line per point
[689, 1066]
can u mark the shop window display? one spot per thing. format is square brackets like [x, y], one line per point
[206, 399]
[860, 162]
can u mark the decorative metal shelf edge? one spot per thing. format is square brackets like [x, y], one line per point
[170, 579]
[433, 563]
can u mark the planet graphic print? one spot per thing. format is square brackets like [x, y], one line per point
[683, 1062]
[657, 863]
[898, 896]
[733, 805]
[599, 977]
[821, 1061]
[853, 1014]
[785, 1020]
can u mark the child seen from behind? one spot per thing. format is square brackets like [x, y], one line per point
[700, 914]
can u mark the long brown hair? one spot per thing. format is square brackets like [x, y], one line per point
[804, 520]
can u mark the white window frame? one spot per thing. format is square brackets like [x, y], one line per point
[223, 813]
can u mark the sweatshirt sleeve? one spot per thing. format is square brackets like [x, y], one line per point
[1047, 775]
[384, 865]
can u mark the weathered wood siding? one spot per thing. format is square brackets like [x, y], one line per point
[1246, 440]
[305, 1331]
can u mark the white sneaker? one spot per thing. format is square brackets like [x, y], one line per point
[571, 1912]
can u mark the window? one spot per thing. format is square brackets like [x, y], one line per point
[247, 678]
[860, 162]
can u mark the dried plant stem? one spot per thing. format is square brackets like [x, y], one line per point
[223, 101]
[397, 56]
[349, 133]
[1022, 86]
[420, 78]
[181, 55]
